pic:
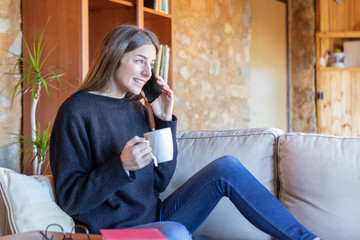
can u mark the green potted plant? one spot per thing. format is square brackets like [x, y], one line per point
[33, 78]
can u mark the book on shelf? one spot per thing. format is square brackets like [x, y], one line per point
[161, 66]
[158, 5]
[162, 6]
[132, 234]
[166, 75]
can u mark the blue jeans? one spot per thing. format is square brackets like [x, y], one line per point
[194, 200]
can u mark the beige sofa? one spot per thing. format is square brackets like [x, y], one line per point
[316, 177]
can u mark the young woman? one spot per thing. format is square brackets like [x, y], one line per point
[102, 164]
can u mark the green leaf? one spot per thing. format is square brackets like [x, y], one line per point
[54, 75]
[30, 62]
[47, 89]
[42, 144]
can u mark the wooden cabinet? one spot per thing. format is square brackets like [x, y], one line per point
[79, 26]
[338, 89]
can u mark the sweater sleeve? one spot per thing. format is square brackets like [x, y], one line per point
[165, 171]
[79, 184]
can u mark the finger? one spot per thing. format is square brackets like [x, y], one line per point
[160, 80]
[162, 83]
[135, 140]
[165, 86]
[142, 162]
[168, 92]
[146, 150]
[146, 162]
[140, 149]
[168, 89]
[158, 77]
[144, 147]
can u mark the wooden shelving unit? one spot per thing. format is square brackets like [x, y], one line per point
[80, 26]
[338, 89]
[328, 41]
[104, 15]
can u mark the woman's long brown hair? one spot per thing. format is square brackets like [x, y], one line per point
[107, 60]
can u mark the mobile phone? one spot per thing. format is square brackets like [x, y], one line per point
[151, 89]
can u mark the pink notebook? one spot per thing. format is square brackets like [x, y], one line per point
[132, 234]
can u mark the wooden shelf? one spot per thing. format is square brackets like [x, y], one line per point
[123, 2]
[157, 13]
[105, 4]
[338, 34]
[323, 69]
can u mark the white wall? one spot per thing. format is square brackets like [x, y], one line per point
[268, 65]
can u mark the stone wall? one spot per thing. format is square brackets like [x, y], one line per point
[10, 115]
[302, 65]
[212, 63]
[212, 72]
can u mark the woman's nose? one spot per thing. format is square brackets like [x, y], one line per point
[147, 71]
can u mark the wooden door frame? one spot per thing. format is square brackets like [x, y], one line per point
[287, 64]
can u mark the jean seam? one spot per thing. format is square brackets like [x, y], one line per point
[245, 200]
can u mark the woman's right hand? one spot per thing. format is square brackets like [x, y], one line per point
[136, 154]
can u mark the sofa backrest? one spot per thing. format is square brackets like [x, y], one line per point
[320, 183]
[255, 148]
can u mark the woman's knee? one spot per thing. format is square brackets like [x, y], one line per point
[228, 164]
[229, 159]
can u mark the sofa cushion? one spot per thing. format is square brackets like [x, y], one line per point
[255, 148]
[29, 202]
[320, 183]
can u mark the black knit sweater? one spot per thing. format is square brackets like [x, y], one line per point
[91, 185]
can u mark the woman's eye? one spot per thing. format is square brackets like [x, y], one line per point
[139, 61]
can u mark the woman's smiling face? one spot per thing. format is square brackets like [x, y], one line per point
[135, 70]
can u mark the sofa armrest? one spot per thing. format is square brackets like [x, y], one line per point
[255, 148]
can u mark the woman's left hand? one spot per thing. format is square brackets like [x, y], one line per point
[163, 106]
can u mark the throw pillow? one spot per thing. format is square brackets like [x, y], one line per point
[30, 202]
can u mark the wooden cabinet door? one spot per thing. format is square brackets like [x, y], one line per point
[338, 109]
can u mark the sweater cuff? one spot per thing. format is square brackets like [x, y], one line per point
[115, 164]
[131, 174]
[159, 123]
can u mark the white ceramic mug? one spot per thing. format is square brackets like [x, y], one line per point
[161, 143]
